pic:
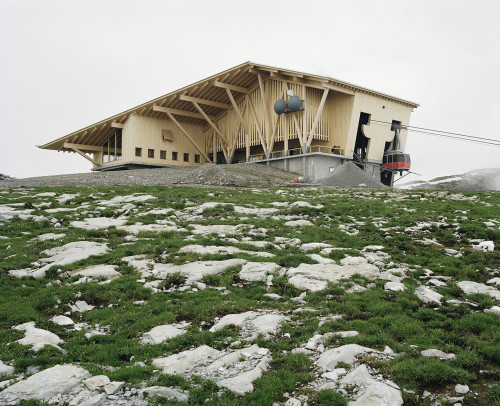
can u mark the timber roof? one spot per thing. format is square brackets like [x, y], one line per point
[212, 93]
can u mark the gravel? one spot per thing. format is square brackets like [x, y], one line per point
[351, 175]
[239, 175]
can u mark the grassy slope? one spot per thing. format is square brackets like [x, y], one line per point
[396, 319]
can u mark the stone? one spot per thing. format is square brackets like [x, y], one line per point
[395, 286]
[485, 246]
[221, 229]
[113, 387]
[437, 282]
[6, 369]
[493, 309]
[62, 321]
[154, 228]
[107, 272]
[185, 360]
[346, 353]
[50, 382]
[258, 271]
[462, 389]
[437, 354]
[50, 236]
[379, 394]
[166, 392]
[314, 245]
[272, 296]
[473, 287]
[298, 223]
[95, 382]
[315, 277]
[494, 281]
[195, 271]
[65, 255]
[242, 383]
[95, 400]
[261, 323]
[98, 223]
[119, 201]
[335, 374]
[160, 334]
[223, 250]
[293, 402]
[37, 337]
[428, 296]
[81, 306]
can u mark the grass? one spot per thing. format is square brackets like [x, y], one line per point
[398, 221]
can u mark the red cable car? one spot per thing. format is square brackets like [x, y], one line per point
[396, 160]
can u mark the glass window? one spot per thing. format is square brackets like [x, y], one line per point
[196, 158]
[186, 157]
[151, 153]
[112, 148]
[174, 156]
[163, 154]
[138, 152]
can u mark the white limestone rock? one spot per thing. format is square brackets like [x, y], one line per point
[346, 353]
[485, 246]
[95, 382]
[395, 286]
[154, 228]
[37, 337]
[98, 223]
[493, 309]
[6, 369]
[43, 385]
[242, 383]
[166, 392]
[113, 387]
[462, 389]
[473, 287]
[195, 271]
[108, 272]
[62, 321]
[81, 306]
[258, 271]
[160, 334]
[265, 324]
[315, 277]
[65, 255]
[432, 352]
[494, 281]
[298, 223]
[184, 361]
[119, 201]
[314, 245]
[95, 400]
[50, 236]
[221, 229]
[222, 250]
[428, 296]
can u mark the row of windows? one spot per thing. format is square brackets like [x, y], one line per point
[163, 155]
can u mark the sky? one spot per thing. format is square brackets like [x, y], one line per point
[66, 64]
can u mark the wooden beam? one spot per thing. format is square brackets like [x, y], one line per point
[86, 156]
[318, 114]
[295, 121]
[237, 110]
[204, 101]
[211, 123]
[336, 88]
[266, 111]
[114, 124]
[275, 130]
[82, 147]
[259, 132]
[187, 135]
[179, 112]
[227, 86]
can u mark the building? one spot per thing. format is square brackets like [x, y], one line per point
[230, 117]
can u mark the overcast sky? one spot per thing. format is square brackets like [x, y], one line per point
[68, 64]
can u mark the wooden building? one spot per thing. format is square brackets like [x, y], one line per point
[229, 117]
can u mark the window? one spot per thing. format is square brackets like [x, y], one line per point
[151, 153]
[196, 158]
[163, 154]
[186, 157]
[167, 135]
[174, 156]
[112, 148]
[138, 152]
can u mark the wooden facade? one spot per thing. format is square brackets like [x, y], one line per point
[229, 117]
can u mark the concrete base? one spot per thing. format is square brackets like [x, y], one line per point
[316, 165]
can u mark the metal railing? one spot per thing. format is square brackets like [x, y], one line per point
[297, 151]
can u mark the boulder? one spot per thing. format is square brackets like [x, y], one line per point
[59, 379]
[107, 272]
[6, 369]
[95, 382]
[428, 296]
[432, 352]
[346, 353]
[185, 360]
[62, 321]
[258, 271]
[395, 286]
[37, 337]
[473, 287]
[166, 392]
[160, 334]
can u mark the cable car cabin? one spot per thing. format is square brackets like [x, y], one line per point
[396, 161]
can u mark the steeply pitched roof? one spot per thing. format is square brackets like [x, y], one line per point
[211, 93]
